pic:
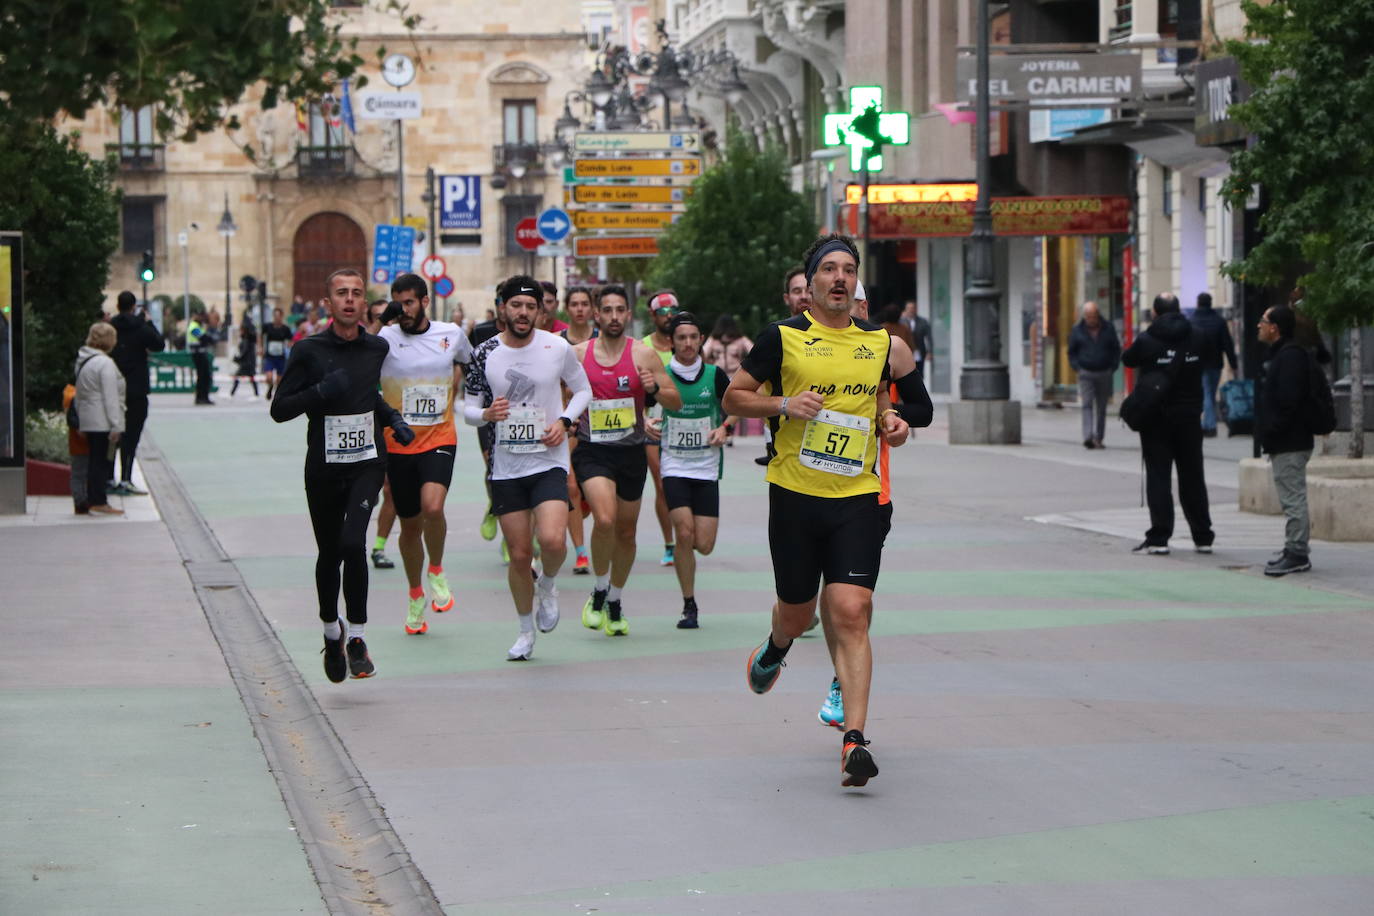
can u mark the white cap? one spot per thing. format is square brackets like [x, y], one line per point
[859, 294]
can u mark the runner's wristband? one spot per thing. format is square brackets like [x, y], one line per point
[784, 406]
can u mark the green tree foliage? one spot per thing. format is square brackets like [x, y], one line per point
[743, 228]
[192, 60]
[1310, 64]
[67, 206]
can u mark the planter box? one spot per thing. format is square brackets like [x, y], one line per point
[44, 478]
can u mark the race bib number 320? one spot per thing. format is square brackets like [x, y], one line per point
[349, 439]
[424, 405]
[836, 443]
[611, 419]
[521, 431]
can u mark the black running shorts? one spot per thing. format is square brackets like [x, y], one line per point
[627, 465]
[701, 496]
[519, 494]
[839, 540]
[408, 473]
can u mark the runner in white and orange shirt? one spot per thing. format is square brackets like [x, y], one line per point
[422, 372]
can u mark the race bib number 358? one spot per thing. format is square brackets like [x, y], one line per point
[836, 443]
[349, 439]
[424, 405]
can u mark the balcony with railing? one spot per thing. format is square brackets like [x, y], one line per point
[1120, 30]
[324, 162]
[137, 157]
[520, 159]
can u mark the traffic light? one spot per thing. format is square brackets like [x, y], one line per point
[248, 283]
[147, 271]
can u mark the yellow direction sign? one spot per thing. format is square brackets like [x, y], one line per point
[623, 219]
[629, 194]
[622, 246]
[613, 168]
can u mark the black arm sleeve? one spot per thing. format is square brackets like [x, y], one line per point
[916, 408]
[296, 392]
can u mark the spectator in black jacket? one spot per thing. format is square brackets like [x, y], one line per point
[1094, 353]
[1284, 433]
[1171, 345]
[136, 338]
[1216, 336]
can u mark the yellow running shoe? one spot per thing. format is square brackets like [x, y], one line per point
[415, 617]
[443, 598]
[592, 614]
[617, 627]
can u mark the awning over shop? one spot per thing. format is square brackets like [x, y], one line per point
[1165, 137]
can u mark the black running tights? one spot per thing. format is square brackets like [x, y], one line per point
[340, 509]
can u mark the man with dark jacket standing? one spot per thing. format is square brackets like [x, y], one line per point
[1216, 337]
[1171, 345]
[1094, 353]
[135, 339]
[1284, 433]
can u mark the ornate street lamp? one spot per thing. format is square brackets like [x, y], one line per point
[227, 228]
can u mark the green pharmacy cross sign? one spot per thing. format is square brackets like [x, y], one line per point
[866, 127]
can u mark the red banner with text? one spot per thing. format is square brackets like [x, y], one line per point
[1077, 215]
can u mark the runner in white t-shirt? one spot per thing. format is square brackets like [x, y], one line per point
[515, 383]
[420, 378]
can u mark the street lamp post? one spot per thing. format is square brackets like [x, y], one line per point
[226, 228]
[184, 240]
[984, 379]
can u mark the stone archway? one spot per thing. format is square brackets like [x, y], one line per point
[324, 243]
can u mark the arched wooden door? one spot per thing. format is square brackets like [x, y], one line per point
[323, 244]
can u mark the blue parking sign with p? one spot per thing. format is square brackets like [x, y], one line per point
[460, 202]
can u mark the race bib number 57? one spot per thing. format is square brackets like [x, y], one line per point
[836, 443]
[349, 439]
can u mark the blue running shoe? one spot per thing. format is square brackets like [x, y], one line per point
[761, 679]
[832, 710]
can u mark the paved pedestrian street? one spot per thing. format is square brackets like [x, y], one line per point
[1061, 726]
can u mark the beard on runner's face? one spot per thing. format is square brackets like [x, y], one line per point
[407, 322]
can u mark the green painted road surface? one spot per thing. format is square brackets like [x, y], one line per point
[1061, 727]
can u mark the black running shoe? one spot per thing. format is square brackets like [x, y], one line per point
[689, 615]
[359, 662]
[856, 763]
[382, 561]
[335, 663]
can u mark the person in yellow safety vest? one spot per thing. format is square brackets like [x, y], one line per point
[199, 340]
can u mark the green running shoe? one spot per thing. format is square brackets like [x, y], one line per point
[488, 528]
[443, 598]
[612, 623]
[761, 679]
[415, 617]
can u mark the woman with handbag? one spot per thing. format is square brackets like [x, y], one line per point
[100, 411]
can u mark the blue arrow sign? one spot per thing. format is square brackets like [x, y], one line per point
[554, 224]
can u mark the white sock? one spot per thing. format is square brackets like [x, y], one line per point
[613, 594]
[526, 623]
[603, 582]
[547, 584]
[332, 630]
[355, 630]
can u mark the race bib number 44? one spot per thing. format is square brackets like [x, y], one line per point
[686, 437]
[424, 405]
[349, 439]
[521, 431]
[611, 419]
[836, 443]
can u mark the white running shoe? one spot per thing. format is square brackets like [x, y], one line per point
[523, 650]
[546, 608]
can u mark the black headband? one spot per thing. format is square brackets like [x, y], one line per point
[830, 246]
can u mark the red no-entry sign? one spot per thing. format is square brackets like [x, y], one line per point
[527, 234]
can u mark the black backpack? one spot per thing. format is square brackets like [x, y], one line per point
[74, 421]
[1143, 408]
[1321, 405]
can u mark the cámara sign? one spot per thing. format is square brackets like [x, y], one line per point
[1048, 78]
[388, 106]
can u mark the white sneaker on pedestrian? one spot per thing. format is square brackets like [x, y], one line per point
[546, 608]
[523, 650]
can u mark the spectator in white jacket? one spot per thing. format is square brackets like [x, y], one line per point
[100, 411]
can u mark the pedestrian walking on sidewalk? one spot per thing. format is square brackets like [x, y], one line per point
[1173, 349]
[1094, 353]
[1284, 432]
[100, 392]
[1216, 336]
[136, 338]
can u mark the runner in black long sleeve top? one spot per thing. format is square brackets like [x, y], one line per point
[332, 377]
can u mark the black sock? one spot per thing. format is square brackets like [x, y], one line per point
[854, 736]
[255, 387]
[234, 390]
[598, 599]
[613, 610]
[772, 654]
[689, 605]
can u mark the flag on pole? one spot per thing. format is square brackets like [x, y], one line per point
[347, 109]
[302, 118]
